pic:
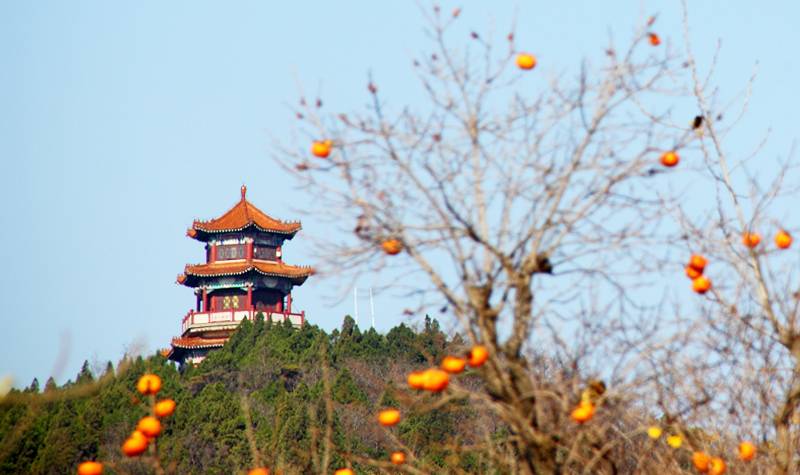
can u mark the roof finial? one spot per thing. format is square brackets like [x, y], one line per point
[244, 191]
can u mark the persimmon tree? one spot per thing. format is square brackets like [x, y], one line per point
[537, 208]
[747, 385]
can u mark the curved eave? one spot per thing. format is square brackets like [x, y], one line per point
[192, 279]
[205, 234]
[193, 346]
[199, 347]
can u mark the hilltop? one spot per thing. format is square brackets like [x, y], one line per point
[278, 373]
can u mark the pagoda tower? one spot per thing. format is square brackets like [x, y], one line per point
[244, 274]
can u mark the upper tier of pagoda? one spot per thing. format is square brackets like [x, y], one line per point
[242, 216]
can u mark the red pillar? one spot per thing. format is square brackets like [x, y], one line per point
[205, 300]
[248, 253]
[250, 297]
[280, 305]
[279, 254]
[289, 302]
[213, 257]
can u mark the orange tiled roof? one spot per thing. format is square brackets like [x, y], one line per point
[245, 214]
[197, 342]
[239, 267]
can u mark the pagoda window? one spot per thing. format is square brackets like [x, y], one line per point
[264, 253]
[228, 301]
[228, 252]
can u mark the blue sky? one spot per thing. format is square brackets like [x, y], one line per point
[122, 122]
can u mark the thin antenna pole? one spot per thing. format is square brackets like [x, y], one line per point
[355, 302]
[372, 307]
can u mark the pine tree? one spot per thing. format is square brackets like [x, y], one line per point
[85, 375]
[34, 387]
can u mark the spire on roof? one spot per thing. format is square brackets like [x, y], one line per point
[244, 192]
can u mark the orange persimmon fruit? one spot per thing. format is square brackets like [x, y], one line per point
[134, 445]
[149, 384]
[398, 458]
[654, 39]
[453, 365]
[670, 159]
[90, 468]
[344, 471]
[389, 417]
[701, 284]
[701, 460]
[164, 408]
[435, 380]
[259, 471]
[783, 239]
[584, 412]
[675, 441]
[477, 356]
[149, 426]
[747, 451]
[392, 246]
[716, 466]
[751, 240]
[698, 262]
[321, 148]
[526, 61]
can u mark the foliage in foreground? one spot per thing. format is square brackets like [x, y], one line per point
[278, 370]
[282, 380]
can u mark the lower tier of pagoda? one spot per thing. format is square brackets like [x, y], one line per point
[205, 331]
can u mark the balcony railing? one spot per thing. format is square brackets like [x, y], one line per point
[228, 318]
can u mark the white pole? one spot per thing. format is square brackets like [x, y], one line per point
[355, 302]
[372, 307]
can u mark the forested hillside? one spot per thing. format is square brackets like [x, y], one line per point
[276, 373]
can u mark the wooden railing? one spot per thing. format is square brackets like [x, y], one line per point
[207, 320]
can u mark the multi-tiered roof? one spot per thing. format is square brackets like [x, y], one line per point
[244, 274]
